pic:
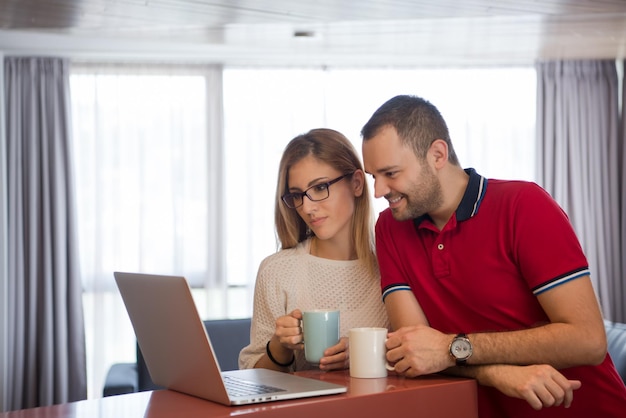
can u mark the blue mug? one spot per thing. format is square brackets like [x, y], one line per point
[321, 330]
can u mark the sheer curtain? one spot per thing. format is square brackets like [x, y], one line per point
[44, 360]
[579, 163]
[147, 142]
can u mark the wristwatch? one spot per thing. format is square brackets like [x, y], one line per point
[461, 349]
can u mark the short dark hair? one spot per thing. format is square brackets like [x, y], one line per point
[417, 122]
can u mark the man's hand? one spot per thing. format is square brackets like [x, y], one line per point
[540, 385]
[418, 350]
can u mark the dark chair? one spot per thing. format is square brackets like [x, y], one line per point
[228, 337]
[616, 338]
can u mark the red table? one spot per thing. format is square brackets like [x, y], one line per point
[430, 396]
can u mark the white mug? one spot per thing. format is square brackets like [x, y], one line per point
[367, 352]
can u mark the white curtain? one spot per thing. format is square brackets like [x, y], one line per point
[579, 163]
[148, 156]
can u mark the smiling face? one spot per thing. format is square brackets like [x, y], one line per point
[408, 183]
[328, 219]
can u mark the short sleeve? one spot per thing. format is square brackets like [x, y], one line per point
[545, 243]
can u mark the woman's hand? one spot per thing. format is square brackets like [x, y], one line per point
[280, 348]
[336, 357]
[288, 330]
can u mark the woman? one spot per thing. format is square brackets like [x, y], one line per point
[324, 225]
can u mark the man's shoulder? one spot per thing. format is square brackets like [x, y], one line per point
[390, 229]
[512, 184]
[513, 188]
[522, 198]
[385, 215]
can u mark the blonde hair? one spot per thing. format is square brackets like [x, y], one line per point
[332, 148]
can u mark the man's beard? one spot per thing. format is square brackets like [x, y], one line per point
[421, 198]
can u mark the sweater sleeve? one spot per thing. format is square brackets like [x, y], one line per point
[268, 300]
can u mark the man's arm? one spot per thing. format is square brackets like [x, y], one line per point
[540, 385]
[403, 310]
[575, 335]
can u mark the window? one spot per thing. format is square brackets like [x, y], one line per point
[490, 115]
[142, 178]
[161, 190]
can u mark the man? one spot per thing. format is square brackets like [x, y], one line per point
[483, 278]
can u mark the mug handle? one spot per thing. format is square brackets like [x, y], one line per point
[388, 366]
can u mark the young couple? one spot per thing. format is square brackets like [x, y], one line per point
[480, 277]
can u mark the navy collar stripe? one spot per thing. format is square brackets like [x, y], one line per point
[481, 193]
[474, 193]
[473, 196]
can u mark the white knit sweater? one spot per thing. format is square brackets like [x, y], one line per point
[294, 279]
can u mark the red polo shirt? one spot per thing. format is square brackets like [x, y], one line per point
[507, 242]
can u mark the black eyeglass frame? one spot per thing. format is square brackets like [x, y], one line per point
[301, 195]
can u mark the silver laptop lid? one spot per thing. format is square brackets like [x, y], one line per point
[171, 335]
[178, 350]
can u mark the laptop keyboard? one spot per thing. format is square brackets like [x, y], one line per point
[240, 387]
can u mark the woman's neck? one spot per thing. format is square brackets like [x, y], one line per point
[331, 249]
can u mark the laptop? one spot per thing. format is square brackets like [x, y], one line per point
[179, 354]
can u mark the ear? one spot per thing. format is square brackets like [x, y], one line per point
[358, 182]
[438, 153]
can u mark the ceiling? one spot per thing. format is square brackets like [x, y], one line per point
[349, 33]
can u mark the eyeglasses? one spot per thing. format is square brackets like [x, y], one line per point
[314, 193]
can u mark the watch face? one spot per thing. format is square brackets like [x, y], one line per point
[461, 348]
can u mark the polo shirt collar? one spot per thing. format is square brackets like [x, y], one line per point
[473, 196]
